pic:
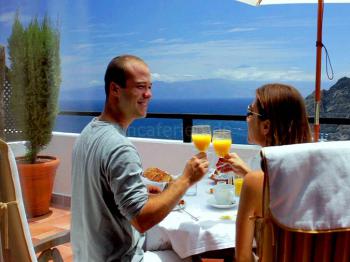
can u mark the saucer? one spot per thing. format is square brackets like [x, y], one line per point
[212, 202]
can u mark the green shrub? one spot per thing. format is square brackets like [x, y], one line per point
[35, 79]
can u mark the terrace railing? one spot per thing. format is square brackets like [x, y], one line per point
[187, 119]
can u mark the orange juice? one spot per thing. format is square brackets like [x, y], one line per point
[238, 186]
[201, 141]
[222, 146]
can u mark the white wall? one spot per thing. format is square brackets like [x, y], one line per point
[61, 146]
[169, 155]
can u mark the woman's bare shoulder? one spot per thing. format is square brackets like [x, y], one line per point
[252, 192]
[254, 177]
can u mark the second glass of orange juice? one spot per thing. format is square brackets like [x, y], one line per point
[222, 142]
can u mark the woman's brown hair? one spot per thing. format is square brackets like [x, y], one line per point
[284, 107]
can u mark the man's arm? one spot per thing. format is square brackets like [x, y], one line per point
[159, 206]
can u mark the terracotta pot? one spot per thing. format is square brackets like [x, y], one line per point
[37, 183]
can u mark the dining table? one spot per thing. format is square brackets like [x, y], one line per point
[199, 226]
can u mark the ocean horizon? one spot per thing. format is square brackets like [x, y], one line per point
[163, 128]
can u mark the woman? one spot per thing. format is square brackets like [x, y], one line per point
[276, 117]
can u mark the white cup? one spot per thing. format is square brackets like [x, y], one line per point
[224, 194]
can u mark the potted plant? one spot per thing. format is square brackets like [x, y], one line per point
[35, 80]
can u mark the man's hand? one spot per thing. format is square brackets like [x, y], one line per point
[158, 206]
[196, 168]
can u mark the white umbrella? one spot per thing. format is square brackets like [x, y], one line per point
[319, 46]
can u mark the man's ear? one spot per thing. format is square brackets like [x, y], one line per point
[265, 126]
[114, 89]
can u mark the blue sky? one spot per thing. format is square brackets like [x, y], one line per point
[187, 40]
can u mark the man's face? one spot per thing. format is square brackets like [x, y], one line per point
[137, 93]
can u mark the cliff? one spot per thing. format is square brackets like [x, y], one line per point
[335, 102]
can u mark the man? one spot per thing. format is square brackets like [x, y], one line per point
[111, 208]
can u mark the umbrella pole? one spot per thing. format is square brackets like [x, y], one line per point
[319, 46]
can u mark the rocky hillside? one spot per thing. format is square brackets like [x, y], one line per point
[335, 102]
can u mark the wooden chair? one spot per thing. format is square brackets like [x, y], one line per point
[306, 214]
[15, 240]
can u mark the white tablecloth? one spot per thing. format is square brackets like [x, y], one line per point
[215, 229]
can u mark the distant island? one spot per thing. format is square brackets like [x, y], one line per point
[181, 90]
[335, 102]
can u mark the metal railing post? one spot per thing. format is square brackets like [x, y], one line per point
[187, 129]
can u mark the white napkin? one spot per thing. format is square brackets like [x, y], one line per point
[186, 236]
[161, 256]
[310, 184]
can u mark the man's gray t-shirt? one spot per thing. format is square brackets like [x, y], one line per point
[107, 192]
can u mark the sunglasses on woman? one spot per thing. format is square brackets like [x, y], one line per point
[250, 112]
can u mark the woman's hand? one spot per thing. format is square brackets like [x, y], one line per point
[232, 162]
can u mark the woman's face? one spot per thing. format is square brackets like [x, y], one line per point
[255, 126]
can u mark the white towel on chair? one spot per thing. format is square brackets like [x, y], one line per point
[164, 256]
[310, 184]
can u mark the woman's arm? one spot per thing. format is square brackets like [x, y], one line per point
[250, 205]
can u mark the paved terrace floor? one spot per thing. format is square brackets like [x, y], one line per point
[57, 220]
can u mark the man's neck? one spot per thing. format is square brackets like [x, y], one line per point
[115, 117]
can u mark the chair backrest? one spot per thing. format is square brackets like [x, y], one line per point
[306, 212]
[16, 243]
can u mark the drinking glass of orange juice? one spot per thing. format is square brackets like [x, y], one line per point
[222, 142]
[201, 137]
[238, 185]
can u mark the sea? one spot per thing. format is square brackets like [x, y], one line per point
[163, 128]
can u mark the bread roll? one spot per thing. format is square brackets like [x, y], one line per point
[157, 175]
